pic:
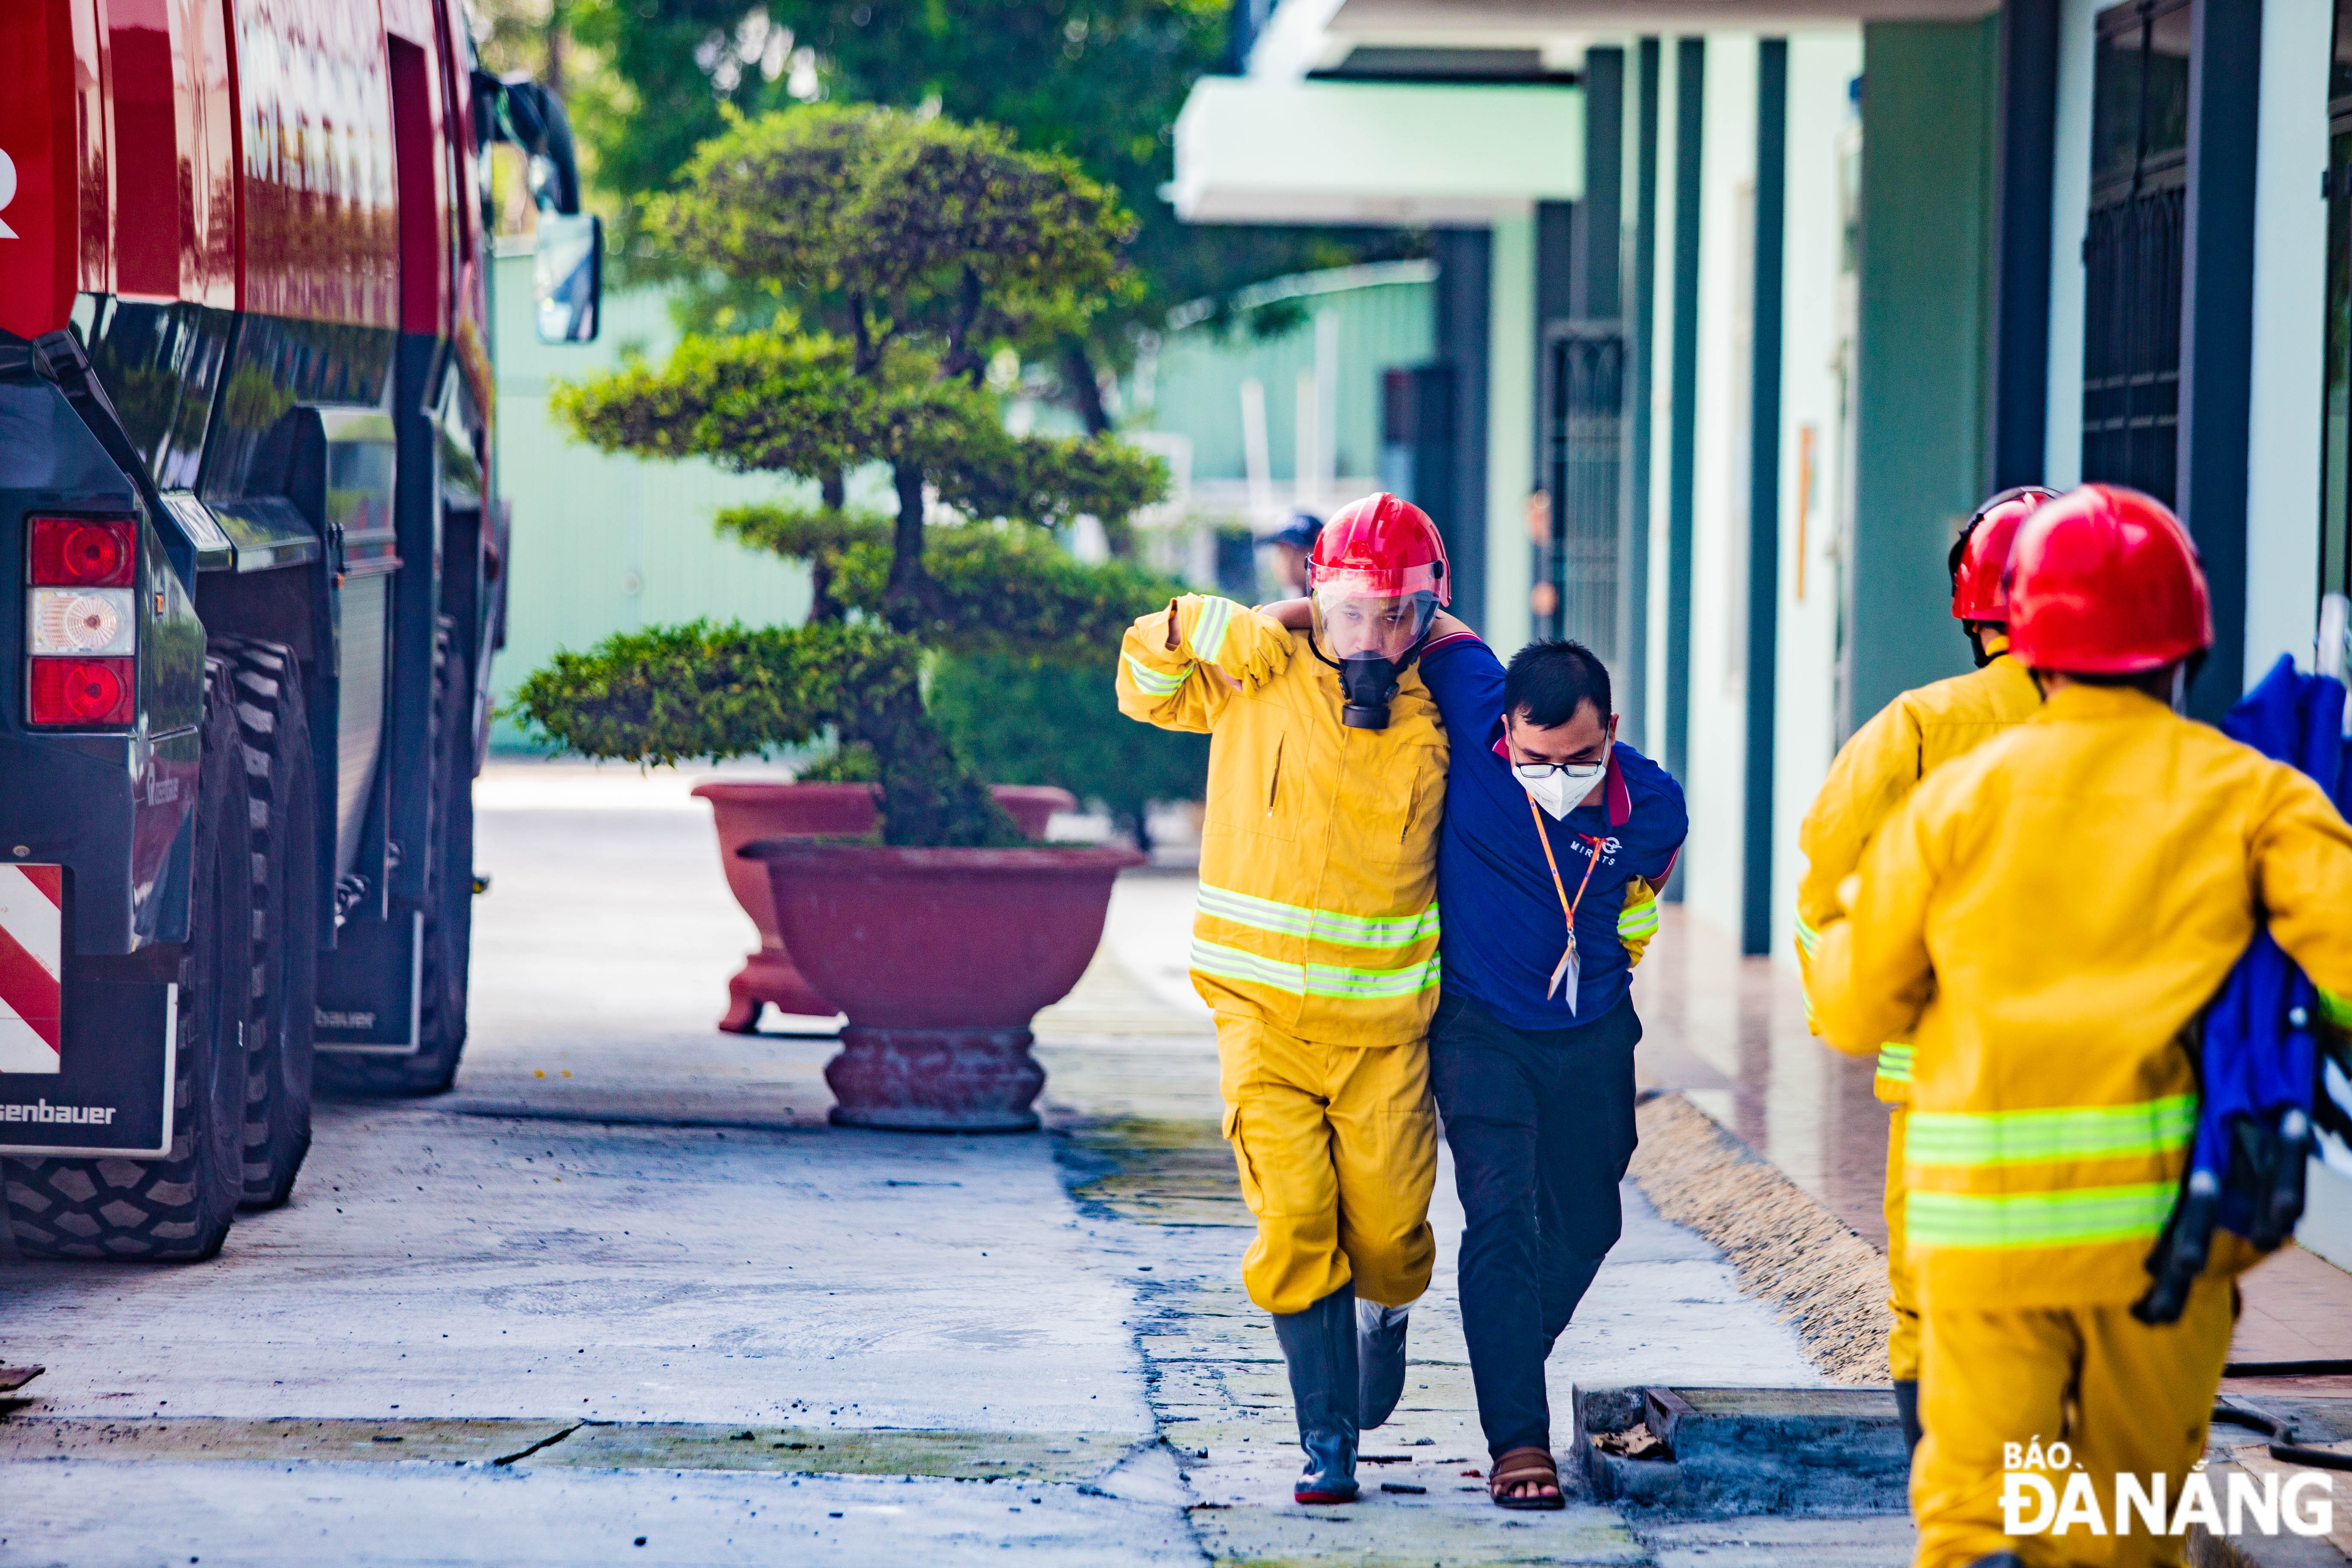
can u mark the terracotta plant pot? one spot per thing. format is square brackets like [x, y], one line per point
[746, 810]
[940, 958]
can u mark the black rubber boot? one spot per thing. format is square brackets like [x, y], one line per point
[1906, 1410]
[1318, 1345]
[1379, 1360]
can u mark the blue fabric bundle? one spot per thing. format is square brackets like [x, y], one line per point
[2258, 1060]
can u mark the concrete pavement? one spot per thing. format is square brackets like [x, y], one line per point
[624, 1283]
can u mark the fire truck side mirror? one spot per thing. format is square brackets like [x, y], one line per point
[568, 280]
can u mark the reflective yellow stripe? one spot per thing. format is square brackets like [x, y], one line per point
[1894, 1062]
[1638, 920]
[1149, 682]
[1320, 925]
[1314, 979]
[1209, 628]
[2337, 1010]
[2037, 1219]
[2069, 1133]
[1808, 937]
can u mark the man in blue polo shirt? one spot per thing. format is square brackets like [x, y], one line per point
[1555, 840]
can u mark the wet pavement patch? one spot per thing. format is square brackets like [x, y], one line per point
[1068, 1457]
[836, 1451]
[460, 1441]
[1155, 1172]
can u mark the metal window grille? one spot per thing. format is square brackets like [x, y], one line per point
[1580, 568]
[2132, 251]
[2131, 343]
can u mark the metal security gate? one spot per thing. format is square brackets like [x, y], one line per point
[2132, 251]
[1580, 563]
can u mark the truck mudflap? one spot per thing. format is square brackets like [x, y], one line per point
[107, 1089]
[85, 1066]
[372, 1002]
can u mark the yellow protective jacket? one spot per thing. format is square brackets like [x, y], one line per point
[1319, 853]
[1875, 772]
[2045, 919]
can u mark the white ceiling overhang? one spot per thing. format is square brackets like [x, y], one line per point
[1255, 150]
[1496, 23]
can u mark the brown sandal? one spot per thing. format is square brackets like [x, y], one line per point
[1517, 1467]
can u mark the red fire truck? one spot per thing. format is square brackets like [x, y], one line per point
[246, 470]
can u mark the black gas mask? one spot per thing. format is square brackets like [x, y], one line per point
[1369, 678]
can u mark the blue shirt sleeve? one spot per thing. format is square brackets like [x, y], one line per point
[1659, 808]
[1466, 680]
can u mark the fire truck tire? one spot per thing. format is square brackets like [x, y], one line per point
[178, 1208]
[276, 723]
[448, 900]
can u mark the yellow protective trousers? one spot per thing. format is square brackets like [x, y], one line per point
[1902, 1286]
[1338, 1150]
[2127, 1398]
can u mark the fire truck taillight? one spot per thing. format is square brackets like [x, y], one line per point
[82, 553]
[84, 693]
[82, 622]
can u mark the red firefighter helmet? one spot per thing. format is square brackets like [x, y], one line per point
[1982, 550]
[2104, 581]
[1381, 548]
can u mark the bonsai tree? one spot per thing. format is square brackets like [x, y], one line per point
[902, 255]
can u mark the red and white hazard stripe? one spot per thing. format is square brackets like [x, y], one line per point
[32, 940]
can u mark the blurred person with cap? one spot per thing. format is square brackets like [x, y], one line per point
[1292, 544]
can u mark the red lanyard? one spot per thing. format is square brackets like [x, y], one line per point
[1567, 908]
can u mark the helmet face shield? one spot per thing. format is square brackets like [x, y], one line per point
[1353, 620]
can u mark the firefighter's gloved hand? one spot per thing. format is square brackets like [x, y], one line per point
[2260, 1198]
[2269, 1157]
[2180, 1252]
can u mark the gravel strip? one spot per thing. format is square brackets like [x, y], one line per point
[1829, 1283]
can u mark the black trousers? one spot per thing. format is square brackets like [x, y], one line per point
[1541, 1125]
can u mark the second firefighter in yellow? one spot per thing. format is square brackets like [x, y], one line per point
[2044, 920]
[1873, 774]
[1316, 939]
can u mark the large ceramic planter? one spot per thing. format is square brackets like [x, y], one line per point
[747, 810]
[940, 958]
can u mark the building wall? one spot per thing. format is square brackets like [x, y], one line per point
[1660, 300]
[1714, 785]
[1194, 386]
[609, 544]
[2289, 333]
[2283, 460]
[1510, 430]
[1927, 217]
[2070, 206]
[1815, 326]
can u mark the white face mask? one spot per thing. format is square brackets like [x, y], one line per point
[1560, 790]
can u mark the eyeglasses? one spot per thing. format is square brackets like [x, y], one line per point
[1546, 769]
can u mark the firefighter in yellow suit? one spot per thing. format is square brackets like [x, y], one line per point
[2044, 920]
[1873, 774]
[1316, 941]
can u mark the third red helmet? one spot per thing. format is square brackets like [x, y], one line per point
[1382, 547]
[1982, 551]
[2104, 581]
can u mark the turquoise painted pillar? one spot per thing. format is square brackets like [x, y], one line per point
[1929, 97]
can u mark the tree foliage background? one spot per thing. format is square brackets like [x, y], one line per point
[1099, 80]
[902, 253]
